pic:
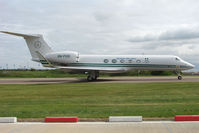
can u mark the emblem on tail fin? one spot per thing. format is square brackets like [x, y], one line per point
[37, 44]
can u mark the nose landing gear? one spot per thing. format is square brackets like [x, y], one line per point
[179, 75]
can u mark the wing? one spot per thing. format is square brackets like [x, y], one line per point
[114, 69]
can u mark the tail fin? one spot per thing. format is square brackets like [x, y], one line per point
[35, 44]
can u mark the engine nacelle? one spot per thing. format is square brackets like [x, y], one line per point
[64, 57]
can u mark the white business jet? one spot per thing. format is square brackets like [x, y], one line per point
[94, 64]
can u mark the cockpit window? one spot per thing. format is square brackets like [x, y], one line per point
[177, 59]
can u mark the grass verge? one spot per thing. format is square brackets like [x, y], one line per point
[91, 100]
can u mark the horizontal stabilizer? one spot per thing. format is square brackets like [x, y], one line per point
[19, 34]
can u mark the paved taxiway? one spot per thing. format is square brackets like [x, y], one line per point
[102, 127]
[100, 80]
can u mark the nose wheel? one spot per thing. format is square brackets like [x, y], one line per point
[179, 77]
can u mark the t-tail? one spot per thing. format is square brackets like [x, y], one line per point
[37, 46]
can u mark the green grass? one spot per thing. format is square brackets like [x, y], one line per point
[99, 100]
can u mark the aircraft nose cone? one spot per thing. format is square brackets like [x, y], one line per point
[190, 65]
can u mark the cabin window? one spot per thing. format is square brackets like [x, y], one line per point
[146, 60]
[138, 61]
[130, 61]
[106, 60]
[122, 60]
[114, 60]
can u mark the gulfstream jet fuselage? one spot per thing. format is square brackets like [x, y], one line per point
[94, 64]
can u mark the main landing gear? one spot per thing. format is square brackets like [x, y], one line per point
[93, 75]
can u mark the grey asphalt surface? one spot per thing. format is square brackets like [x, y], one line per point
[100, 80]
[102, 127]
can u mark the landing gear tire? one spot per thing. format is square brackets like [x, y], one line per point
[95, 78]
[179, 77]
[93, 75]
[89, 78]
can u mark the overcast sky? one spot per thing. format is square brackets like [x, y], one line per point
[101, 27]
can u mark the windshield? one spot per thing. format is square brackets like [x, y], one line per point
[177, 59]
